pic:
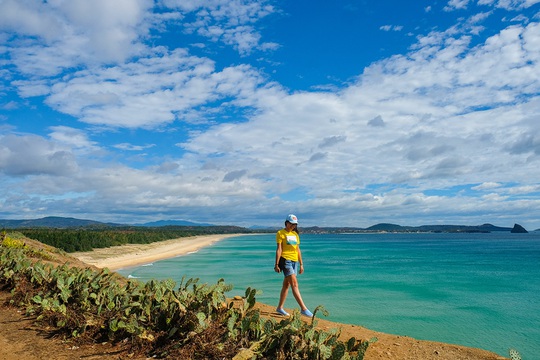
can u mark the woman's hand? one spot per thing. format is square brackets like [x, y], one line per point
[276, 268]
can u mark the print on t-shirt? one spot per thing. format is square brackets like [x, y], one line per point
[291, 240]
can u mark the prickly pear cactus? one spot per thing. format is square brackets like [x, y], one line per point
[514, 355]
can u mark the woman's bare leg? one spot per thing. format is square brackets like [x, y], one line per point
[283, 294]
[291, 281]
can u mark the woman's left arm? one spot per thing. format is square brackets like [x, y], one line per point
[300, 259]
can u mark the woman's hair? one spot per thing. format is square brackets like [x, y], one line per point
[295, 229]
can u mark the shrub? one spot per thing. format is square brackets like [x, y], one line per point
[9, 242]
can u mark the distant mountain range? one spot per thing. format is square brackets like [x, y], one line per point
[385, 227]
[68, 222]
[444, 228]
[53, 222]
[172, 223]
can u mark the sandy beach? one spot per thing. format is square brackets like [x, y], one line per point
[118, 257]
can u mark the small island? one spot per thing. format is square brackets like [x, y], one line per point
[518, 229]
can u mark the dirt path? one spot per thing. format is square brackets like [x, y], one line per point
[21, 339]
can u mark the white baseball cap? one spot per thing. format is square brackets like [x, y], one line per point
[292, 219]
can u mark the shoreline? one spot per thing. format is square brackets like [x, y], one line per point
[123, 256]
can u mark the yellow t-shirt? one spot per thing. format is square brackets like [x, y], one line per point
[289, 242]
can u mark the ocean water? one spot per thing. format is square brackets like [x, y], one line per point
[478, 290]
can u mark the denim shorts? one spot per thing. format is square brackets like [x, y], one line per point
[288, 267]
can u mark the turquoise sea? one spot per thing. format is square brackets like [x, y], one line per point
[478, 290]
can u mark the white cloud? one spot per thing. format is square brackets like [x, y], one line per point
[510, 4]
[487, 186]
[74, 138]
[503, 4]
[110, 28]
[149, 92]
[30, 18]
[131, 147]
[57, 35]
[528, 189]
[11, 105]
[33, 155]
[391, 28]
[227, 21]
[456, 5]
[244, 38]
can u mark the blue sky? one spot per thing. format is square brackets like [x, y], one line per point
[346, 113]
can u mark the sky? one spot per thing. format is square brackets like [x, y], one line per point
[238, 112]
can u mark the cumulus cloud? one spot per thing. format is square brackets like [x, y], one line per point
[63, 34]
[131, 147]
[33, 155]
[487, 186]
[503, 4]
[391, 28]
[149, 92]
[75, 138]
[509, 4]
[11, 105]
[456, 4]
[230, 22]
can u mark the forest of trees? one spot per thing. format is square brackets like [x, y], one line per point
[86, 239]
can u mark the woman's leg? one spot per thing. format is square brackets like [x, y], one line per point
[283, 294]
[293, 283]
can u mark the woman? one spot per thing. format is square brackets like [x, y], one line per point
[289, 260]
